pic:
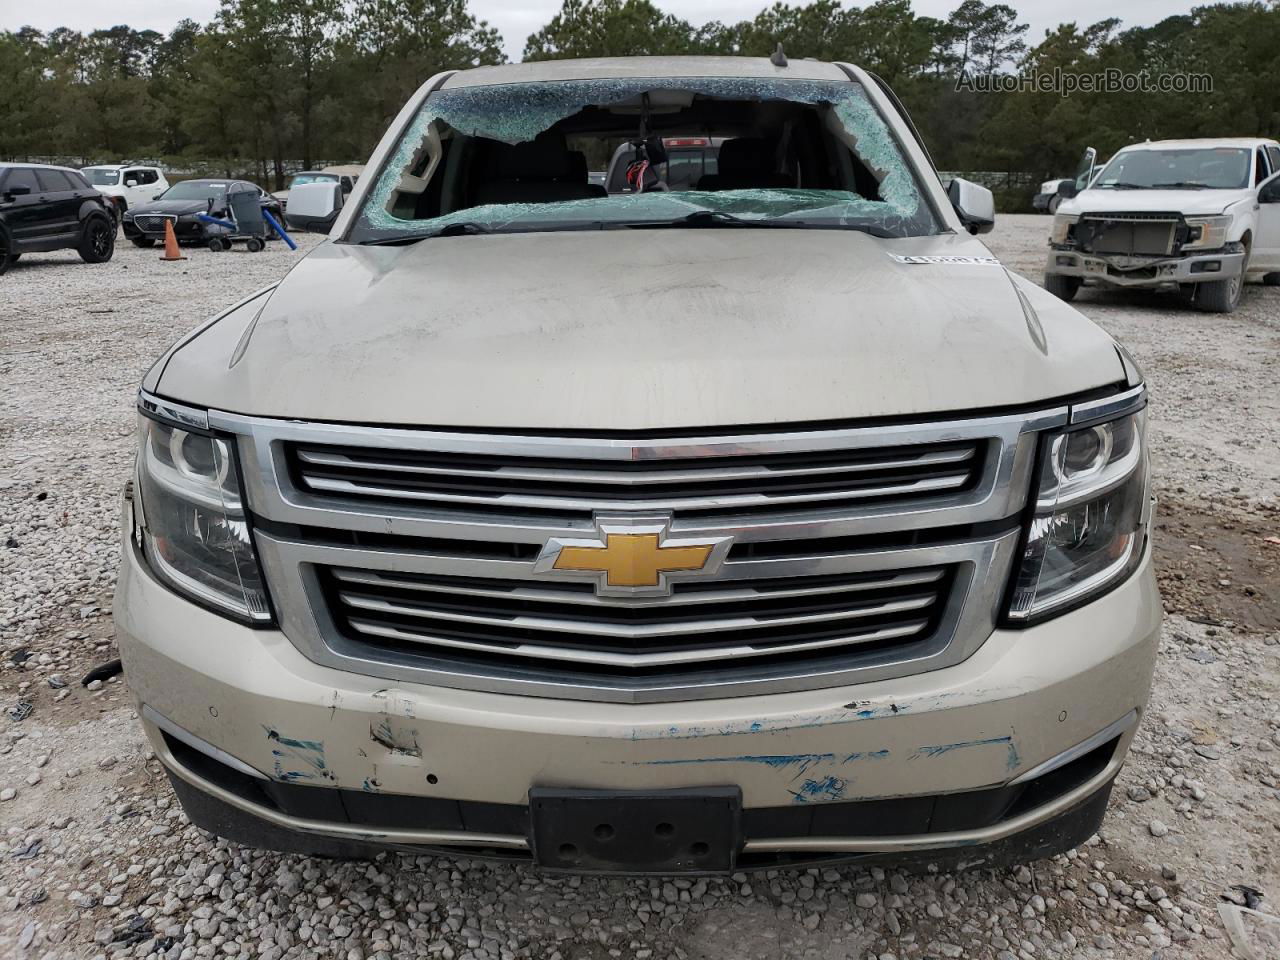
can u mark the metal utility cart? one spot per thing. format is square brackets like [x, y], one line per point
[245, 214]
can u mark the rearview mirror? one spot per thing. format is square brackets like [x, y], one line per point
[974, 203]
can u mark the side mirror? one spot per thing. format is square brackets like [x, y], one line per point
[1068, 189]
[157, 196]
[346, 185]
[131, 183]
[974, 203]
[17, 190]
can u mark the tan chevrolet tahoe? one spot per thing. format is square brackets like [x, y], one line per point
[767, 522]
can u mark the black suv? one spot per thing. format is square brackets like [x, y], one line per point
[52, 208]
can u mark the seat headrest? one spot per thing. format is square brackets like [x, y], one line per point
[744, 156]
[543, 158]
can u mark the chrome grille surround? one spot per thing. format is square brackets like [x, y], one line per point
[309, 534]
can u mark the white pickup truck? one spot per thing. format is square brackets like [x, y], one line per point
[1201, 215]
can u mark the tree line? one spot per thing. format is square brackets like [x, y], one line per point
[270, 84]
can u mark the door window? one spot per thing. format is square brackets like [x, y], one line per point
[53, 181]
[1274, 154]
[22, 177]
[1259, 166]
[78, 182]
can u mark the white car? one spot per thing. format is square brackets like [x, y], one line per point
[127, 185]
[1201, 215]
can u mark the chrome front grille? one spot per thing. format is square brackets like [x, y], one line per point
[700, 627]
[851, 554]
[703, 485]
[152, 223]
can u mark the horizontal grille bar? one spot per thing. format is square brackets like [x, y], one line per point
[585, 595]
[662, 659]
[529, 484]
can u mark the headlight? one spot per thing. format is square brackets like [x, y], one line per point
[195, 531]
[1062, 224]
[1089, 523]
[1207, 233]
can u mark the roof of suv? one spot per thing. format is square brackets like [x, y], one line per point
[35, 166]
[1201, 142]
[607, 68]
[120, 166]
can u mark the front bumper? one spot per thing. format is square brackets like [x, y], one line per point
[1192, 268]
[870, 768]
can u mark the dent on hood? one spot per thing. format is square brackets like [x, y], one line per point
[517, 113]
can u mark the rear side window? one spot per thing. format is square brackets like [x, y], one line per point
[1274, 154]
[22, 177]
[53, 181]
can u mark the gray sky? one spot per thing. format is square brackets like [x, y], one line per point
[518, 18]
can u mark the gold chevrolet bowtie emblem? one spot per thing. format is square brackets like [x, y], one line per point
[633, 559]
[633, 556]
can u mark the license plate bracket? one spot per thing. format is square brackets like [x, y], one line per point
[661, 832]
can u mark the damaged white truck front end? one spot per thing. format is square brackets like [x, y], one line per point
[764, 522]
[1197, 215]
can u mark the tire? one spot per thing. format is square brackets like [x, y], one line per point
[216, 245]
[6, 257]
[143, 242]
[98, 241]
[1220, 296]
[1271, 280]
[1054, 203]
[1223, 296]
[1061, 286]
[253, 244]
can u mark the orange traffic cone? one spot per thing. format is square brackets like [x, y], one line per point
[171, 251]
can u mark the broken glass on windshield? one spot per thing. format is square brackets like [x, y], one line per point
[520, 156]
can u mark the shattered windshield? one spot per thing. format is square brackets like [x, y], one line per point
[516, 157]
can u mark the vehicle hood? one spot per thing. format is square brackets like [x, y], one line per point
[1188, 202]
[171, 207]
[641, 329]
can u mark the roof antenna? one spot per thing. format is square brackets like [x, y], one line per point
[778, 58]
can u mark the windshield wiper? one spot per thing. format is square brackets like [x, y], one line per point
[1181, 185]
[451, 230]
[712, 218]
[1122, 185]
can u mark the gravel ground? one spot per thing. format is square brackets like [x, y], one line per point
[98, 861]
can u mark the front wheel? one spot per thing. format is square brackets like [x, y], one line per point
[1061, 286]
[6, 257]
[1271, 279]
[1054, 203]
[143, 242]
[1219, 296]
[98, 242]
